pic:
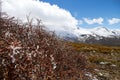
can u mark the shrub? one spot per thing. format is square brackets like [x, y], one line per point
[29, 52]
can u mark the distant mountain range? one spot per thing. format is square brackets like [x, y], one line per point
[98, 35]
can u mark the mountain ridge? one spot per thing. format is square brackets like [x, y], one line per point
[97, 35]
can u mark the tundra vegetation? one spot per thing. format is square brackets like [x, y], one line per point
[105, 60]
[29, 52]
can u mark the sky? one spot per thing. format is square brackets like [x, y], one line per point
[92, 9]
[67, 15]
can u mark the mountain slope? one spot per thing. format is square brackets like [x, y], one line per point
[97, 35]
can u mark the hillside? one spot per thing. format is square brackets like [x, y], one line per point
[97, 35]
[59, 40]
[29, 52]
[104, 59]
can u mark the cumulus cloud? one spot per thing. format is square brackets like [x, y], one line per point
[80, 22]
[114, 21]
[52, 16]
[93, 21]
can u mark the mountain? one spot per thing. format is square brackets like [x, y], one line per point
[97, 35]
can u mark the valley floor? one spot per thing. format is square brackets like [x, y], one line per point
[104, 59]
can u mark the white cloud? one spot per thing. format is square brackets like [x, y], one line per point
[114, 21]
[52, 16]
[93, 21]
[80, 22]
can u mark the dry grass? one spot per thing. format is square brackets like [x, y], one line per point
[104, 58]
[94, 48]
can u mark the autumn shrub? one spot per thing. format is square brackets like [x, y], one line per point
[29, 52]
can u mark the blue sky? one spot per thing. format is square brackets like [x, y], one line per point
[67, 15]
[107, 9]
[90, 8]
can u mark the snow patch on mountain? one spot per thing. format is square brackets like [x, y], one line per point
[102, 31]
[117, 32]
[82, 34]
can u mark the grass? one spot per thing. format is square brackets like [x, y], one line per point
[95, 48]
[104, 58]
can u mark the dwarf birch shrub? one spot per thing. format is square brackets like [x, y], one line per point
[29, 52]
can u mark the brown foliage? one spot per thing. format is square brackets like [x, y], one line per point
[28, 52]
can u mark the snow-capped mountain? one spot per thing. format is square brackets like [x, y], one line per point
[102, 31]
[97, 31]
[100, 35]
[117, 32]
